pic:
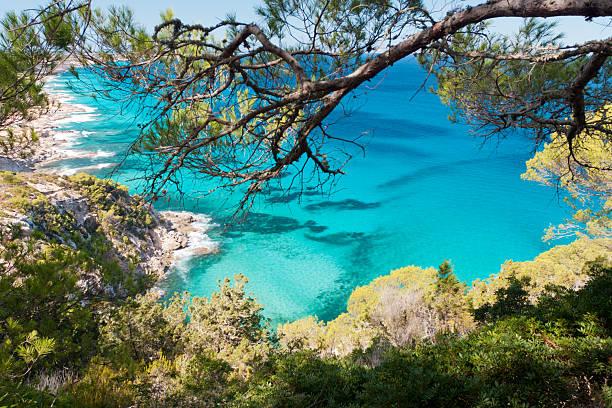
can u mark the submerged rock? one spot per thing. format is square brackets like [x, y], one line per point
[344, 205]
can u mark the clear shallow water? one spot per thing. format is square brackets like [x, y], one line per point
[424, 192]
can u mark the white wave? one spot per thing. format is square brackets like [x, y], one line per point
[68, 98]
[85, 108]
[74, 170]
[64, 142]
[63, 98]
[103, 153]
[52, 83]
[78, 118]
[73, 153]
[198, 240]
[51, 87]
[68, 153]
[66, 136]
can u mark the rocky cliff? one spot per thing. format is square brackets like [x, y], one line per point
[131, 242]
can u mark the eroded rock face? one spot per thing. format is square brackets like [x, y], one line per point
[179, 225]
[91, 223]
[174, 240]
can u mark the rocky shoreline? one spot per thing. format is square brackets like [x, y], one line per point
[86, 213]
[51, 144]
[174, 236]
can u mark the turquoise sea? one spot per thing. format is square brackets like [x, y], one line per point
[425, 191]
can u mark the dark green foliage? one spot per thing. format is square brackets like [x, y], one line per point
[43, 320]
[19, 395]
[557, 352]
[304, 379]
[510, 301]
[141, 328]
[515, 362]
[580, 311]
[47, 321]
[58, 28]
[21, 92]
[115, 206]
[586, 312]
[447, 282]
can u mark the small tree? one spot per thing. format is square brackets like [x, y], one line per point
[230, 325]
[589, 186]
[509, 301]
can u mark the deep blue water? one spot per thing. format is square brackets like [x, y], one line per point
[425, 191]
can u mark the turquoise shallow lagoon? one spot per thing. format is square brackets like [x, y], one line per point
[425, 191]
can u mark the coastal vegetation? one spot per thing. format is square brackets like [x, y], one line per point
[588, 180]
[81, 323]
[80, 328]
[411, 338]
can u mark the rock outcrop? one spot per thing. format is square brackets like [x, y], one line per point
[99, 216]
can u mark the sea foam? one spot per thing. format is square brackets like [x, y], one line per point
[84, 169]
[199, 241]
